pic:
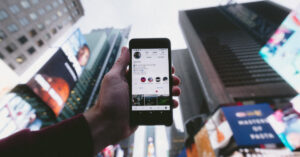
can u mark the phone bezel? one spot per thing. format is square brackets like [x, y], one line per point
[151, 117]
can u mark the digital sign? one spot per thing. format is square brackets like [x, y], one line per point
[77, 51]
[53, 82]
[282, 51]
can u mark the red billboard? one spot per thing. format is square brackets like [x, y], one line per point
[53, 82]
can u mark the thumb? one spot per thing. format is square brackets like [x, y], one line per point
[122, 62]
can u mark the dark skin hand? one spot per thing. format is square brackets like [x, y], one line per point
[108, 119]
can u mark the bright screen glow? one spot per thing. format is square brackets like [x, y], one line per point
[150, 79]
[282, 51]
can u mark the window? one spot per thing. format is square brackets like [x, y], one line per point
[75, 13]
[41, 27]
[42, 11]
[14, 9]
[20, 59]
[2, 56]
[33, 16]
[40, 43]
[32, 33]
[12, 28]
[3, 15]
[47, 36]
[48, 7]
[22, 40]
[65, 10]
[73, 4]
[54, 4]
[54, 17]
[11, 66]
[59, 13]
[2, 36]
[60, 26]
[23, 21]
[34, 1]
[31, 50]
[25, 4]
[54, 31]
[10, 48]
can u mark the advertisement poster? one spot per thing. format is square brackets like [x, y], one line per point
[249, 124]
[219, 131]
[77, 51]
[282, 51]
[15, 114]
[286, 123]
[53, 82]
[233, 127]
[203, 145]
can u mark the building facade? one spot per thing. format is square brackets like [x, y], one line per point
[29, 27]
[224, 42]
[105, 47]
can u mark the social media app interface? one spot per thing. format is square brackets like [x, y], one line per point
[150, 79]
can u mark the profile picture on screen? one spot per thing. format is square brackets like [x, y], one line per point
[137, 55]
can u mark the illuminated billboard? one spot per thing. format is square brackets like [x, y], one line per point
[282, 51]
[16, 114]
[77, 51]
[53, 82]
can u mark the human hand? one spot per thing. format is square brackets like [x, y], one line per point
[108, 119]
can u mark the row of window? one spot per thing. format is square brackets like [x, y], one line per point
[25, 4]
[20, 59]
[23, 21]
[10, 48]
[14, 28]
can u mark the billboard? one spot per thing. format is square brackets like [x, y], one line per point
[53, 82]
[249, 125]
[77, 51]
[282, 51]
[234, 127]
[286, 123]
[15, 114]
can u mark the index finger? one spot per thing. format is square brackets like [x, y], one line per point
[173, 69]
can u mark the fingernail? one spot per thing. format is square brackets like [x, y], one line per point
[123, 49]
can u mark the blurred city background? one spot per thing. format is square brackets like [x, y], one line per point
[54, 54]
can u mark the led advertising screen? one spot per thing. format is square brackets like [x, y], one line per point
[282, 51]
[286, 123]
[234, 127]
[53, 82]
[249, 124]
[77, 51]
[15, 114]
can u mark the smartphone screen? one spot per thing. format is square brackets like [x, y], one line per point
[151, 96]
[150, 80]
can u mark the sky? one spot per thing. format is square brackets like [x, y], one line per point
[148, 18]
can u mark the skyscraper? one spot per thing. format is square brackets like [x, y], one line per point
[29, 27]
[224, 42]
[105, 46]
